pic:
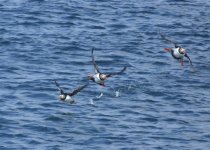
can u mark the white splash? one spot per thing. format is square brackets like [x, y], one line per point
[91, 101]
[117, 93]
[129, 87]
[100, 95]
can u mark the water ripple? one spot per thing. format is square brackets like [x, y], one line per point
[155, 104]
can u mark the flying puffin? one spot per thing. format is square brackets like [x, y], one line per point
[99, 77]
[67, 97]
[177, 52]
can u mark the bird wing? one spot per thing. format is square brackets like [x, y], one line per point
[189, 59]
[168, 40]
[59, 88]
[94, 63]
[116, 73]
[77, 90]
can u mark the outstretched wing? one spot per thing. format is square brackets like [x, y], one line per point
[189, 59]
[94, 63]
[59, 88]
[116, 73]
[168, 40]
[77, 90]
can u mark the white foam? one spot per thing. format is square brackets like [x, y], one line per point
[117, 93]
[100, 95]
[91, 101]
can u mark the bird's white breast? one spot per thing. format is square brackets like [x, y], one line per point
[97, 78]
[177, 53]
[69, 99]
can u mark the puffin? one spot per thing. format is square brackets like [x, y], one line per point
[177, 52]
[67, 97]
[99, 77]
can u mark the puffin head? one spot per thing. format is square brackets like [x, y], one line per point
[90, 77]
[62, 97]
[103, 76]
[182, 50]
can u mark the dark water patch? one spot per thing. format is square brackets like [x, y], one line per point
[54, 119]
[30, 109]
[154, 120]
[169, 138]
[129, 111]
[173, 120]
[35, 142]
[97, 27]
[155, 93]
[40, 128]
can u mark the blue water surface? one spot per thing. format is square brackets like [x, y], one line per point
[157, 104]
